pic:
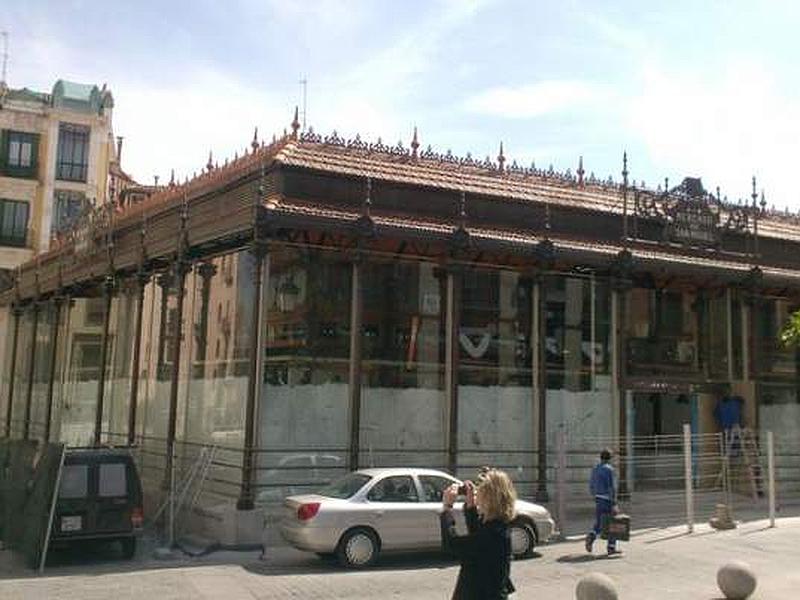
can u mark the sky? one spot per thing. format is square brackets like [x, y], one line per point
[703, 89]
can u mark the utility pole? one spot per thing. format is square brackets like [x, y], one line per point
[304, 85]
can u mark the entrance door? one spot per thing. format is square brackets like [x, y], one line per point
[656, 426]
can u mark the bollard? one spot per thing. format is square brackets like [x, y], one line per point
[596, 586]
[771, 476]
[736, 580]
[687, 472]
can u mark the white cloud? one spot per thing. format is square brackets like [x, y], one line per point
[175, 127]
[724, 127]
[535, 99]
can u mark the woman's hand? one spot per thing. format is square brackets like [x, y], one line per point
[449, 496]
[470, 496]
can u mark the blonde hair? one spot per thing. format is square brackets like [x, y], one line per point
[496, 496]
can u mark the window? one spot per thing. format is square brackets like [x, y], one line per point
[13, 222]
[68, 207]
[19, 154]
[113, 480]
[433, 487]
[345, 487]
[74, 481]
[399, 488]
[73, 152]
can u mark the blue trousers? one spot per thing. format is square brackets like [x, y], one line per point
[602, 508]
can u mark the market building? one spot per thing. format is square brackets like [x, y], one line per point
[319, 304]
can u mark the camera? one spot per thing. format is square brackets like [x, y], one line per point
[462, 490]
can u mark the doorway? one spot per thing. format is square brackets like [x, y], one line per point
[655, 437]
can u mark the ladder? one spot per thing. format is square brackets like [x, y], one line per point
[751, 458]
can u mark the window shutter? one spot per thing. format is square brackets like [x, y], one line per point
[35, 156]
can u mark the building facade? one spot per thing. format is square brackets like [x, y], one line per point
[321, 304]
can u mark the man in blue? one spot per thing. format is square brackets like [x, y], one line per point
[604, 491]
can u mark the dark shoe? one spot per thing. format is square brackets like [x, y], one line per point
[588, 542]
[614, 552]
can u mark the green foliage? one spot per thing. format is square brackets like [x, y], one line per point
[790, 334]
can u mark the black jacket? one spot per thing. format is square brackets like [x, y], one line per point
[485, 556]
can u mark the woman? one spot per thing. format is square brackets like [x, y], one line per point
[485, 552]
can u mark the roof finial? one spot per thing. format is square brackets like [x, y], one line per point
[625, 168]
[172, 178]
[295, 123]
[210, 163]
[580, 171]
[415, 145]
[763, 201]
[501, 159]
[254, 143]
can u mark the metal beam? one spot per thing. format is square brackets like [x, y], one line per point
[108, 296]
[356, 315]
[16, 312]
[181, 269]
[246, 496]
[57, 303]
[142, 278]
[540, 384]
[31, 370]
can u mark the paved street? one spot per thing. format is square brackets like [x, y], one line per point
[658, 564]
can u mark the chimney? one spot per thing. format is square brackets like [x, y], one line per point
[119, 149]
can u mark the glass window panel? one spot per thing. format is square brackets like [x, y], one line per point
[74, 482]
[113, 480]
[398, 488]
[495, 398]
[403, 399]
[433, 487]
[79, 395]
[304, 406]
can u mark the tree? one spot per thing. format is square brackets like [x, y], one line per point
[790, 334]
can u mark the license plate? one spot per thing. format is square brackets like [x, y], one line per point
[71, 523]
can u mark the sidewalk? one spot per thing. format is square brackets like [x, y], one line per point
[659, 564]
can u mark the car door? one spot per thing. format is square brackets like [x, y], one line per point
[394, 509]
[113, 502]
[431, 488]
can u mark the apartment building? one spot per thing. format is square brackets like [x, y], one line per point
[55, 154]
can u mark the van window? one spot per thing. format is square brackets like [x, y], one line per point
[74, 481]
[113, 481]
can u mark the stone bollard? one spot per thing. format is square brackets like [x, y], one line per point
[596, 586]
[736, 580]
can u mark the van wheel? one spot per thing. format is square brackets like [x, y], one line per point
[128, 547]
[523, 539]
[358, 548]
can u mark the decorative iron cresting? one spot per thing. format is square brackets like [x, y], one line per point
[690, 215]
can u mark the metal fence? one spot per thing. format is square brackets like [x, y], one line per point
[673, 479]
[662, 480]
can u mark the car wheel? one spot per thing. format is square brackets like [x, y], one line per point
[523, 539]
[358, 548]
[128, 547]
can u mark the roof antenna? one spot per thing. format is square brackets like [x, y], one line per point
[5, 56]
[304, 85]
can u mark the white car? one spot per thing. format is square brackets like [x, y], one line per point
[372, 511]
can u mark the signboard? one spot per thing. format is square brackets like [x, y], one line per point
[694, 224]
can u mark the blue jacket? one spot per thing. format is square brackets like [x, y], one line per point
[601, 483]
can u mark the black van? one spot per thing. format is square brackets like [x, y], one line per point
[100, 498]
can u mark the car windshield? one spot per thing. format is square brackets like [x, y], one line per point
[345, 487]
